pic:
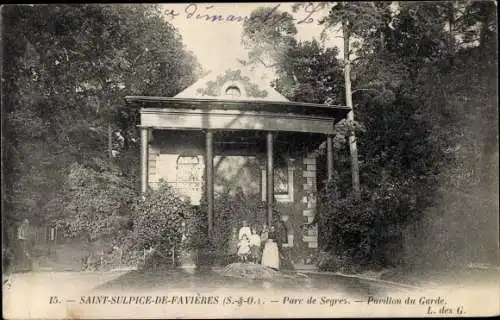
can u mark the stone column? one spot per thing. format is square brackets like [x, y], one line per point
[329, 156]
[310, 198]
[144, 159]
[270, 178]
[209, 177]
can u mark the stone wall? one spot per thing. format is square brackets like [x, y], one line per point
[153, 154]
[309, 198]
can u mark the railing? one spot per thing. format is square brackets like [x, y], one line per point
[45, 234]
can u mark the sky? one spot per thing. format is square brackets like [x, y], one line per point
[217, 45]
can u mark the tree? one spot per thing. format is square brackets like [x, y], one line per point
[422, 94]
[94, 202]
[268, 33]
[305, 71]
[409, 64]
[309, 72]
[474, 22]
[355, 19]
[67, 69]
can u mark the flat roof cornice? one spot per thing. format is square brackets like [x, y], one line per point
[334, 111]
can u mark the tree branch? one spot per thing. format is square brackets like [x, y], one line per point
[265, 65]
[365, 89]
[358, 58]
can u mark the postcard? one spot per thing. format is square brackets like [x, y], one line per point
[250, 160]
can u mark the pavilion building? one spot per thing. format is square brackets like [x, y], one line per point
[232, 131]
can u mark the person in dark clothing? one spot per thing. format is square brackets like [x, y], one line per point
[284, 247]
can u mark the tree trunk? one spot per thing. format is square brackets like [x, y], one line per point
[485, 11]
[110, 141]
[382, 41]
[350, 116]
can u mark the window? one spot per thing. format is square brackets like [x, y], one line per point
[233, 91]
[283, 183]
[188, 182]
[280, 181]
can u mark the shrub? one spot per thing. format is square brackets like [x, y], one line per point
[366, 232]
[158, 220]
[93, 202]
[330, 261]
[161, 218]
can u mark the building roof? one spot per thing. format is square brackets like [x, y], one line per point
[232, 84]
[237, 89]
[313, 109]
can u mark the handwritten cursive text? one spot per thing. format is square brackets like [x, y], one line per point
[208, 13]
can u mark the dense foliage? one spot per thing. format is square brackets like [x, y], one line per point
[268, 34]
[310, 72]
[412, 152]
[422, 80]
[424, 83]
[160, 222]
[69, 143]
[95, 201]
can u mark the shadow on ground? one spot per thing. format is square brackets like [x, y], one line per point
[207, 280]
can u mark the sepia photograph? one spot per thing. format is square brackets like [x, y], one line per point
[250, 160]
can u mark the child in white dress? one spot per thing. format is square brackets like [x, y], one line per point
[244, 230]
[244, 248]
